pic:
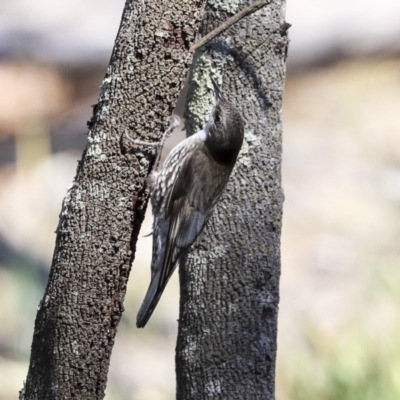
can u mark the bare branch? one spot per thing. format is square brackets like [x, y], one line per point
[231, 21]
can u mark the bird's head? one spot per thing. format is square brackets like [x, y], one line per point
[225, 127]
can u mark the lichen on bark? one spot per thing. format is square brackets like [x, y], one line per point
[226, 345]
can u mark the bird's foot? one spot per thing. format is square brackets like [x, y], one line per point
[174, 123]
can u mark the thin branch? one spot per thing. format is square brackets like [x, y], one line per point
[227, 24]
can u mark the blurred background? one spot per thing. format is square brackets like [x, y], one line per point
[339, 324]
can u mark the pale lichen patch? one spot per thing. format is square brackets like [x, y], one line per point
[95, 146]
[213, 387]
[230, 6]
[99, 190]
[200, 93]
[251, 138]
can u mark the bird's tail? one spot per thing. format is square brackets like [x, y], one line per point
[150, 301]
[163, 264]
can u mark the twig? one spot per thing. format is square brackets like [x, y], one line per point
[227, 24]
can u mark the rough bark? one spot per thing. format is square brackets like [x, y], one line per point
[102, 212]
[226, 345]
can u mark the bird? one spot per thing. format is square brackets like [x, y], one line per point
[186, 189]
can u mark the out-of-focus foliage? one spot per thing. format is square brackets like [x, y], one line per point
[351, 369]
[340, 287]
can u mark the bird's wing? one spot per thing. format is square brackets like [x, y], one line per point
[188, 208]
[192, 199]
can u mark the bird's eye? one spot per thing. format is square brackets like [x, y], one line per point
[217, 118]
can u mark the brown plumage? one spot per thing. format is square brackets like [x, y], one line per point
[186, 190]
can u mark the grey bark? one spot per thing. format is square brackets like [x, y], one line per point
[226, 346]
[102, 212]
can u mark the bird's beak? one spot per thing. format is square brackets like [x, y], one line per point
[219, 94]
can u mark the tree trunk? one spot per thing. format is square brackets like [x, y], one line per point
[102, 212]
[226, 345]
